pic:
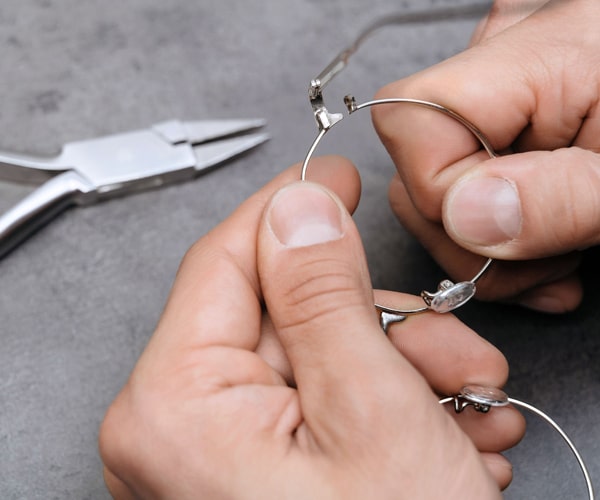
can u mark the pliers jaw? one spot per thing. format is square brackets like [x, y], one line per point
[91, 170]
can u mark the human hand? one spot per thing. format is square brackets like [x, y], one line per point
[207, 412]
[531, 83]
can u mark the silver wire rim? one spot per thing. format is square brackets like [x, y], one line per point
[557, 428]
[480, 136]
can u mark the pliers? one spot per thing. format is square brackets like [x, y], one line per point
[89, 171]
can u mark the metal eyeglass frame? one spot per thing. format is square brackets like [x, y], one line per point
[449, 295]
[482, 399]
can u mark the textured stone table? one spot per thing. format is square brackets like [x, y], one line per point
[79, 300]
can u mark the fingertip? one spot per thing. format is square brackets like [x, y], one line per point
[312, 269]
[495, 431]
[499, 467]
[525, 206]
[482, 211]
[484, 365]
[304, 214]
[117, 488]
[338, 174]
[559, 297]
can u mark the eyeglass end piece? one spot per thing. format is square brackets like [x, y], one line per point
[315, 89]
[350, 102]
[325, 119]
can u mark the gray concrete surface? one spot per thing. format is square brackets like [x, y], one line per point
[79, 300]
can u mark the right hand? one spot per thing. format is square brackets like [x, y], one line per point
[531, 83]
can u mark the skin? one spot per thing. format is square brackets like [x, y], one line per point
[530, 80]
[309, 400]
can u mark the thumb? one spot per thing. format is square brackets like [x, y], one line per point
[317, 290]
[527, 206]
[360, 399]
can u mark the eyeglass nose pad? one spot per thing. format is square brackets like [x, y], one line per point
[449, 296]
[481, 398]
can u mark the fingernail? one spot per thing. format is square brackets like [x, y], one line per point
[484, 211]
[304, 214]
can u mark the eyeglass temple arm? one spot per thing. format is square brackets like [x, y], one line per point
[341, 60]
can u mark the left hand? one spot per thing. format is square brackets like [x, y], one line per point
[530, 82]
[207, 411]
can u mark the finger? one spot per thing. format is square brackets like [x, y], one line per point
[503, 15]
[500, 468]
[270, 349]
[498, 88]
[311, 259]
[462, 357]
[560, 296]
[317, 291]
[551, 279]
[117, 488]
[203, 345]
[495, 431]
[527, 206]
[216, 296]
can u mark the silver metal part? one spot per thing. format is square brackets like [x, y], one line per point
[201, 131]
[481, 137]
[449, 296]
[339, 62]
[95, 169]
[388, 317]
[482, 399]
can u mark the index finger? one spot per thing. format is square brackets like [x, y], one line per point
[511, 86]
[462, 357]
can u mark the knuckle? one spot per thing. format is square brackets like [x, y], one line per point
[428, 198]
[199, 251]
[576, 216]
[321, 291]
[387, 118]
[422, 200]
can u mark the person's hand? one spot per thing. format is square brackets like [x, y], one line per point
[531, 82]
[207, 411]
